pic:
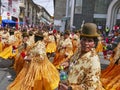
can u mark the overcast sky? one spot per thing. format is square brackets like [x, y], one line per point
[47, 4]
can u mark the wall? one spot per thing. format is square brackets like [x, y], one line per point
[87, 13]
[60, 12]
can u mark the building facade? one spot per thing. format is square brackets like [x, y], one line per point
[9, 9]
[102, 12]
[23, 11]
[59, 14]
[35, 13]
[44, 16]
[31, 12]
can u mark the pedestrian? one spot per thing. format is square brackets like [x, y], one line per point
[84, 73]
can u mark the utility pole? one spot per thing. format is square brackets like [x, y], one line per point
[72, 13]
[67, 5]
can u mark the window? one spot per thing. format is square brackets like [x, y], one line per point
[78, 6]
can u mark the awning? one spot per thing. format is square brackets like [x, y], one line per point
[21, 23]
[8, 21]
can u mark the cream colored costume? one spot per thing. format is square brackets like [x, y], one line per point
[85, 72]
[57, 38]
[64, 52]
[12, 39]
[9, 51]
[45, 34]
[5, 37]
[31, 40]
[1, 33]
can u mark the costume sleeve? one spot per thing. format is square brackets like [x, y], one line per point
[91, 79]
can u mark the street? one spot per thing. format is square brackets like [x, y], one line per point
[5, 77]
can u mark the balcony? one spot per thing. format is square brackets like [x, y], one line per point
[21, 5]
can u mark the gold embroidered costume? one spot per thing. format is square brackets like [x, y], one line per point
[40, 75]
[51, 44]
[75, 42]
[99, 47]
[64, 52]
[10, 51]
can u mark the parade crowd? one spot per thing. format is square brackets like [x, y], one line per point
[75, 63]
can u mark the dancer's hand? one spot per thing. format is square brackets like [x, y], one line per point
[63, 86]
[27, 58]
[65, 64]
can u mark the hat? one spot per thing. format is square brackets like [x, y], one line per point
[31, 33]
[11, 32]
[24, 34]
[54, 31]
[89, 30]
[39, 34]
[67, 32]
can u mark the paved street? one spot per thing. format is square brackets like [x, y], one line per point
[5, 78]
[104, 63]
[5, 73]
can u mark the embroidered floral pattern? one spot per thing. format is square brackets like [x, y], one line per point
[86, 71]
[38, 50]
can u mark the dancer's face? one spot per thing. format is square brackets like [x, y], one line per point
[87, 44]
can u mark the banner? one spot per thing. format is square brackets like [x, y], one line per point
[15, 8]
[5, 9]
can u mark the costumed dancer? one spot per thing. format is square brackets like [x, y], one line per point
[57, 36]
[11, 46]
[45, 34]
[65, 50]
[22, 50]
[1, 43]
[99, 47]
[84, 73]
[5, 37]
[111, 75]
[41, 73]
[76, 41]
[105, 50]
[51, 44]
